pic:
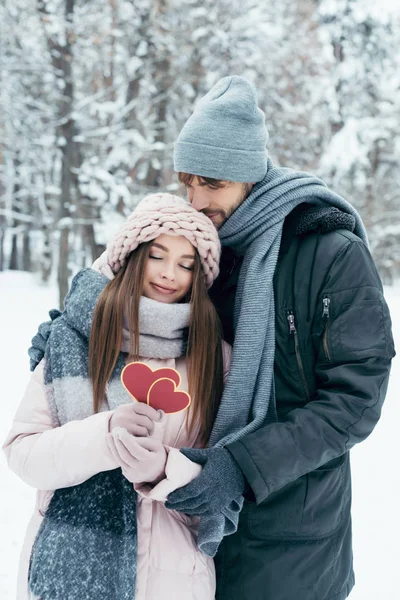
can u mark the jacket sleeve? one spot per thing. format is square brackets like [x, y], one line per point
[352, 380]
[48, 457]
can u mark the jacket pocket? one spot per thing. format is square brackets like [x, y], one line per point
[354, 326]
[327, 495]
[310, 508]
[367, 319]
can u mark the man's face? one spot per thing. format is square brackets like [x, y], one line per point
[218, 203]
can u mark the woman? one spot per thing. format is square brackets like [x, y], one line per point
[77, 430]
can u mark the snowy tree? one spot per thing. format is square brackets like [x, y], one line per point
[361, 161]
[25, 119]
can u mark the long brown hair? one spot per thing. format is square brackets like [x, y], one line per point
[204, 345]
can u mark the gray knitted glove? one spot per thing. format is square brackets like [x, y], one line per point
[220, 482]
[39, 340]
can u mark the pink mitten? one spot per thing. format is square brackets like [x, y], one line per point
[137, 418]
[141, 459]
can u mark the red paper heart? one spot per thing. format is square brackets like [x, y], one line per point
[163, 394]
[137, 378]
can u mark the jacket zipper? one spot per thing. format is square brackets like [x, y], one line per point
[293, 331]
[325, 316]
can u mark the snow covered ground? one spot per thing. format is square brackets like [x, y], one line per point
[376, 474]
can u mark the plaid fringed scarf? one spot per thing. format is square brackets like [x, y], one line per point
[87, 543]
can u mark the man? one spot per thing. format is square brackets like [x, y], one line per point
[333, 349]
[301, 301]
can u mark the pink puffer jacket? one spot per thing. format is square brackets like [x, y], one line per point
[169, 565]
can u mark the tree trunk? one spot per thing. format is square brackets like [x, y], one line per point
[163, 80]
[63, 273]
[61, 56]
[13, 265]
[65, 216]
[90, 241]
[26, 251]
[46, 261]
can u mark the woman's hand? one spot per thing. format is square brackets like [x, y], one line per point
[142, 459]
[136, 417]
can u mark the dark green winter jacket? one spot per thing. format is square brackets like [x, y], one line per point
[333, 352]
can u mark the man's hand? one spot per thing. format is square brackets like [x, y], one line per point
[141, 459]
[136, 417]
[220, 482]
[39, 340]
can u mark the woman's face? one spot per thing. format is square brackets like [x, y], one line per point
[168, 273]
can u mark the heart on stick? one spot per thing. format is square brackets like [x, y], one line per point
[163, 394]
[138, 378]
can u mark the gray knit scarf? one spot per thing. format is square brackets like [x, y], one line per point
[87, 543]
[254, 231]
[162, 329]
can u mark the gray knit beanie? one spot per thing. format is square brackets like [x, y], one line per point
[225, 138]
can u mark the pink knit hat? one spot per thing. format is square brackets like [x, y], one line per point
[164, 213]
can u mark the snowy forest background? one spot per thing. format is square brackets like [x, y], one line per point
[94, 93]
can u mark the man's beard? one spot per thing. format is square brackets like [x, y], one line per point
[226, 214]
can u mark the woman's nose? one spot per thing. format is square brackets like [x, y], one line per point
[168, 272]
